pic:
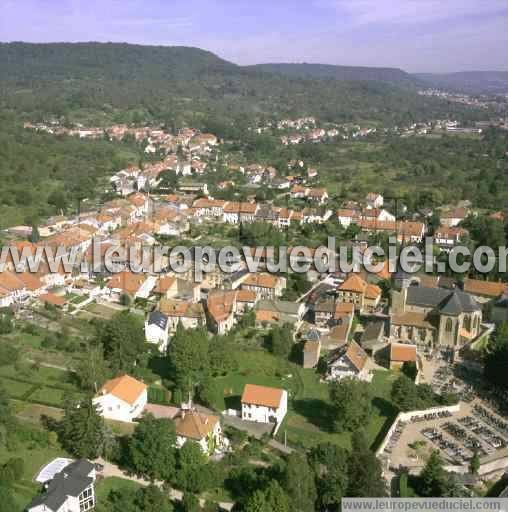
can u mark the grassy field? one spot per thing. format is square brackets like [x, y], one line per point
[307, 421]
[14, 388]
[42, 385]
[33, 413]
[98, 311]
[256, 367]
[35, 458]
[105, 486]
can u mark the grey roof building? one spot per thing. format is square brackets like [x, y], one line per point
[159, 319]
[435, 317]
[72, 490]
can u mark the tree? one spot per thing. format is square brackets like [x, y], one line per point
[9, 355]
[433, 223]
[34, 235]
[276, 499]
[433, 476]
[153, 499]
[351, 404]
[192, 473]
[271, 499]
[93, 369]
[280, 341]
[222, 355]
[298, 482]
[82, 430]
[12, 470]
[365, 478]
[7, 497]
[211, 392]
[474, 463]
[147, 499]
[330, 466]
[125, 300]
[407, 396]
[410, 370]
[496, 360]
[256, 503]
[189, 357]
[58, 199]
[190, 503]
[6, 327]
[123, 340]
[151, 449]
[248, 319]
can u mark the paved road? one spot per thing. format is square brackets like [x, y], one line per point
[252, 428]
[257, 430]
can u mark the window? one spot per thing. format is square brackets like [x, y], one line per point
[449, 325]
[86, 494]
[467, 322]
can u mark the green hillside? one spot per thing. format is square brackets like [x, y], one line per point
[95, 82]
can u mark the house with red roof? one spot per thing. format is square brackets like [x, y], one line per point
[263, 404]
[122, 399]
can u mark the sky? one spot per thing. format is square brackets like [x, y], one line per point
[415, 35]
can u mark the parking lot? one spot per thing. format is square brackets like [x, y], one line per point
[474, 429]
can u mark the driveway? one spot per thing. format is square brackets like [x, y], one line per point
[252, 428]
[162, 411]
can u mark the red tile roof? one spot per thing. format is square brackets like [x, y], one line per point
[263, 396]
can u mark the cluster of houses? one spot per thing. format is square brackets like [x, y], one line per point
[70, 485]
[306, 129]
[125, 399]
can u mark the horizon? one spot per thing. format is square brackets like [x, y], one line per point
[415, 36]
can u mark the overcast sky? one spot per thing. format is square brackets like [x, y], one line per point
[415, 35]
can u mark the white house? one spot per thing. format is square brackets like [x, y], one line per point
[374, 200]
[157, 330]
[121, 399]
[69, 490]
[203, 429]
[454, 217]
[350, 361]
[263, 404]
[346, 216]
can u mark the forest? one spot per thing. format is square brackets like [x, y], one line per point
[130, 82]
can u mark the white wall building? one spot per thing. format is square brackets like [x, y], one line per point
[263, 404]
[122, 399]
[157, 330]
[69, 490]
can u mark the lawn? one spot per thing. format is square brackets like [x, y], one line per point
[14, 388]
[105, 486]
[307, 422]
[32, 413]
[256, 367]
[101, 310]
[50, 396]
[43, 376]
[35, 458]
[76, 299]
[46, 386]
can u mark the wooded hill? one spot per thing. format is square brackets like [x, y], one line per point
[135, 83]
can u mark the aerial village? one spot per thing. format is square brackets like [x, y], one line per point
[356, 326]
